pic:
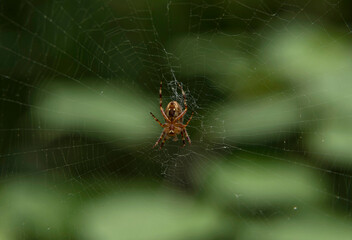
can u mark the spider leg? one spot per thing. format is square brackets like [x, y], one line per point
[189, 119]
[161, 103]
[188, 139]
[183, 139]
[184, 95]
[156, 120]
[162, 136]
[162, 143]
[184, 125]
[184, 102]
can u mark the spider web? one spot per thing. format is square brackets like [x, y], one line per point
[79, 78]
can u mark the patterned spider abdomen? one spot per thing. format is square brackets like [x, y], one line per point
[172, 110]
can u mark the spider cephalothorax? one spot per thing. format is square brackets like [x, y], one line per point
[173, 116]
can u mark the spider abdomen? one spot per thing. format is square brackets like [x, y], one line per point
[172, 110]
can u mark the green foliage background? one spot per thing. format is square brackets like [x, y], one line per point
[270, 83]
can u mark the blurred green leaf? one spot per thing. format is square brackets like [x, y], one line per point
[148, 216]
[5, 232]
[322, 227]
[209, 55]
[30, 209]
[334, 140]
[121, 113]
[320, 69]
[258, 120]
[257, 183]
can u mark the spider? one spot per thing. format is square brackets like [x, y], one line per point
[173, 116]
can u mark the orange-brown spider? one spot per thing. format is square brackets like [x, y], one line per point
[173, 115]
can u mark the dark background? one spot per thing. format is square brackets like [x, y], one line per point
[269, 83]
